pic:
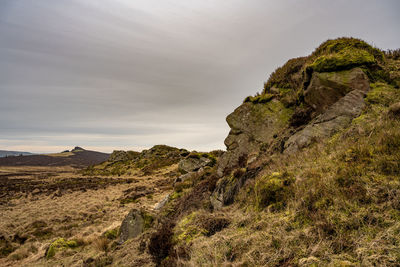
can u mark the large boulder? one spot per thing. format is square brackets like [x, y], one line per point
[134, 224]
[336, 116]
[193, 163]
[327, 88]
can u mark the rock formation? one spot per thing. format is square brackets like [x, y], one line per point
[306, 100]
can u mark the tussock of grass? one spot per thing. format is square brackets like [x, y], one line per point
[340, 44]
[198, 223]
[284, 77]
[58, 245]
[344, 59]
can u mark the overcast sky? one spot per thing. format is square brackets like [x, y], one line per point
[129, 74]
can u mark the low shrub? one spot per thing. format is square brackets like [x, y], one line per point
[273, 189]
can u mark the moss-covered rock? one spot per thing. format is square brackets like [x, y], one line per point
[337, 45]
[252, 125]
[327, 88]
[135, 223]
[194, 161]
[58, 245]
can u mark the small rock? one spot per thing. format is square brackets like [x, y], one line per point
[394, 111]
[35, 191]
[162, 203]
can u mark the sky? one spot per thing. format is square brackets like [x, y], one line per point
[130, 74]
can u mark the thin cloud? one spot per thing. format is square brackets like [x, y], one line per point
[131, 74]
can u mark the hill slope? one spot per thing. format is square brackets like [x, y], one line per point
[77, 157]
[311, 173]
[6, 153]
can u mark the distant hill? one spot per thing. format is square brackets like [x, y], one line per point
[77, 157]
[6, 153]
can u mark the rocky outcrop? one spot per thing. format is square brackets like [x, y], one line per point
[192, 164]
[331, 100]
[77, 149]
[118, 155]
[354, 84]
[252, 127]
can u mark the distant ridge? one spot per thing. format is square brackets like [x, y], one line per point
[77, 157]
[6, 153]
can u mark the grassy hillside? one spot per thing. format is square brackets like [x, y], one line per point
[334, 203]
[77, 157]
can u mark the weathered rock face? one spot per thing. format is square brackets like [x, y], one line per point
[132, 226]
[192, 164]
[328, 87]
[335, 98]
[252, 126]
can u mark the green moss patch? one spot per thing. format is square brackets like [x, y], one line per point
[339, 44]
[112, 234]
[382, 94]
[198, 224]
[344, 59]
[258, 99]
[58, 245]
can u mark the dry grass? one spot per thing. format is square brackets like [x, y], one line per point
[83, 216]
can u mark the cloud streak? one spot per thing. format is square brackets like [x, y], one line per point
[131, 74]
